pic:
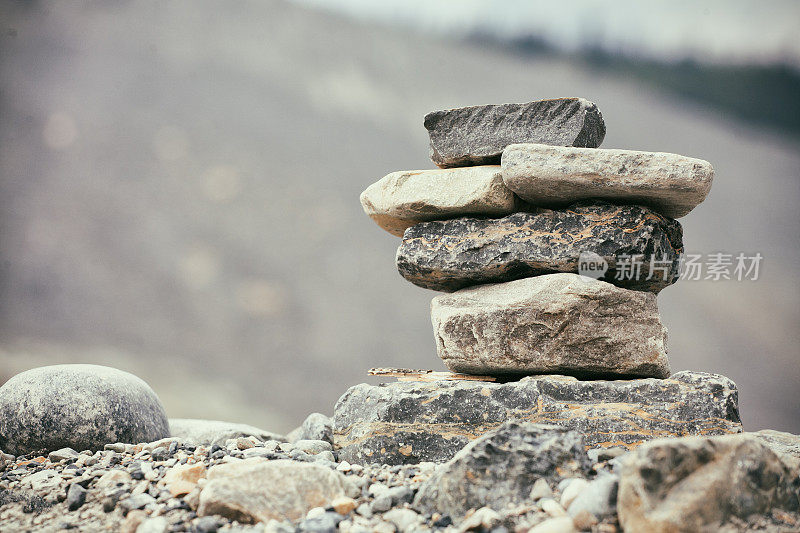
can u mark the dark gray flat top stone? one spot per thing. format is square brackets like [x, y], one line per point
[477, 135]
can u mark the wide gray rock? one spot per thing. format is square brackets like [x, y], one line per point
[637, 245]
[477, 135]
[500, 468]
[555, 176]
[402, 199]
[257, 490]
[210, 432]
[552, 324]
[77, 406]
[409, 422]
[700, 483]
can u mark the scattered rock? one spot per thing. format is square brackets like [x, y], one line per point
[500, 468]
[541, 489]
[62, 455]
[572, 490]
[561, 524]
[402, 199]
[599, 497]
[344, 505]
[637, 245]
[77, 406]
[552, 507]
[484, 519]
[557, 176]
[76, 497]
[316, 426]
[403, 519]
[701, 483]
[216, 432]
[182, 479]
[409, 422]
[156, 524]
[312, 447]
[255, 490]
[552, 324]
[477, 135]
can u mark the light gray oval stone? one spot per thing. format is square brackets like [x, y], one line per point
[557, 176]
[78, 406]
[401, 199]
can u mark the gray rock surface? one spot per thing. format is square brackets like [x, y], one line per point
[77, 406]
[409, 422]
[211, 432]
[700, 483]
[477, 135]
[402, 199]
[255, 490]
[551, 324]
[780, 442]
[316, 426]
[553, 176]
[453, 254]
[501, 467]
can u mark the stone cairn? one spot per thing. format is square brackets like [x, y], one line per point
[550, 252]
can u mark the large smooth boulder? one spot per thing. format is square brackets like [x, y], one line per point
[477, 135]
[701, 483]
[500, 468]
[552, 324]
[552, 176]
[210, 432]
[402, 199]
[77, 406]
[256, 490]
[409, 422]
[633, 243]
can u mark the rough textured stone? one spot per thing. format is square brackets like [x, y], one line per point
[402, 199]
[552, 324]
[553, 176]
[477, 135]
[78, 406]
[316, 426]
[598, 498]
[780, 442]
[699, 483]
[212, 432]
[409, 422]
[255, 490]
[453, 254]
[500, 468]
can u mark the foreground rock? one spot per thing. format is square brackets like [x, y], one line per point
[212, 432]
[82, 407]
[780, 442]
[700, 484]
[256, 490]
[501, 467]
[409, 197]
[450, 255]
[408, 422]
[477, 135]
[552, 324]
[553, 176]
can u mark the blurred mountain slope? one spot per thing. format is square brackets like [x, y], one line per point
[180, 188]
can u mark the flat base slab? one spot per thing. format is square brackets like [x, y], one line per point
[413, 421]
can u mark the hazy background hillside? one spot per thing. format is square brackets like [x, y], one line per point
[179, 189]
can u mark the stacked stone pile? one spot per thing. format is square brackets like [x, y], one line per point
[551, 252]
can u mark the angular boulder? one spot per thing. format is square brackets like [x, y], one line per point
[257, 490]
[552, 324]
[701, 483]
[500, 468]
[402, 199]
[210, 432]
[554, 176]
[635, 244]
[477, 135]
[82, 407]
[409, 422]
